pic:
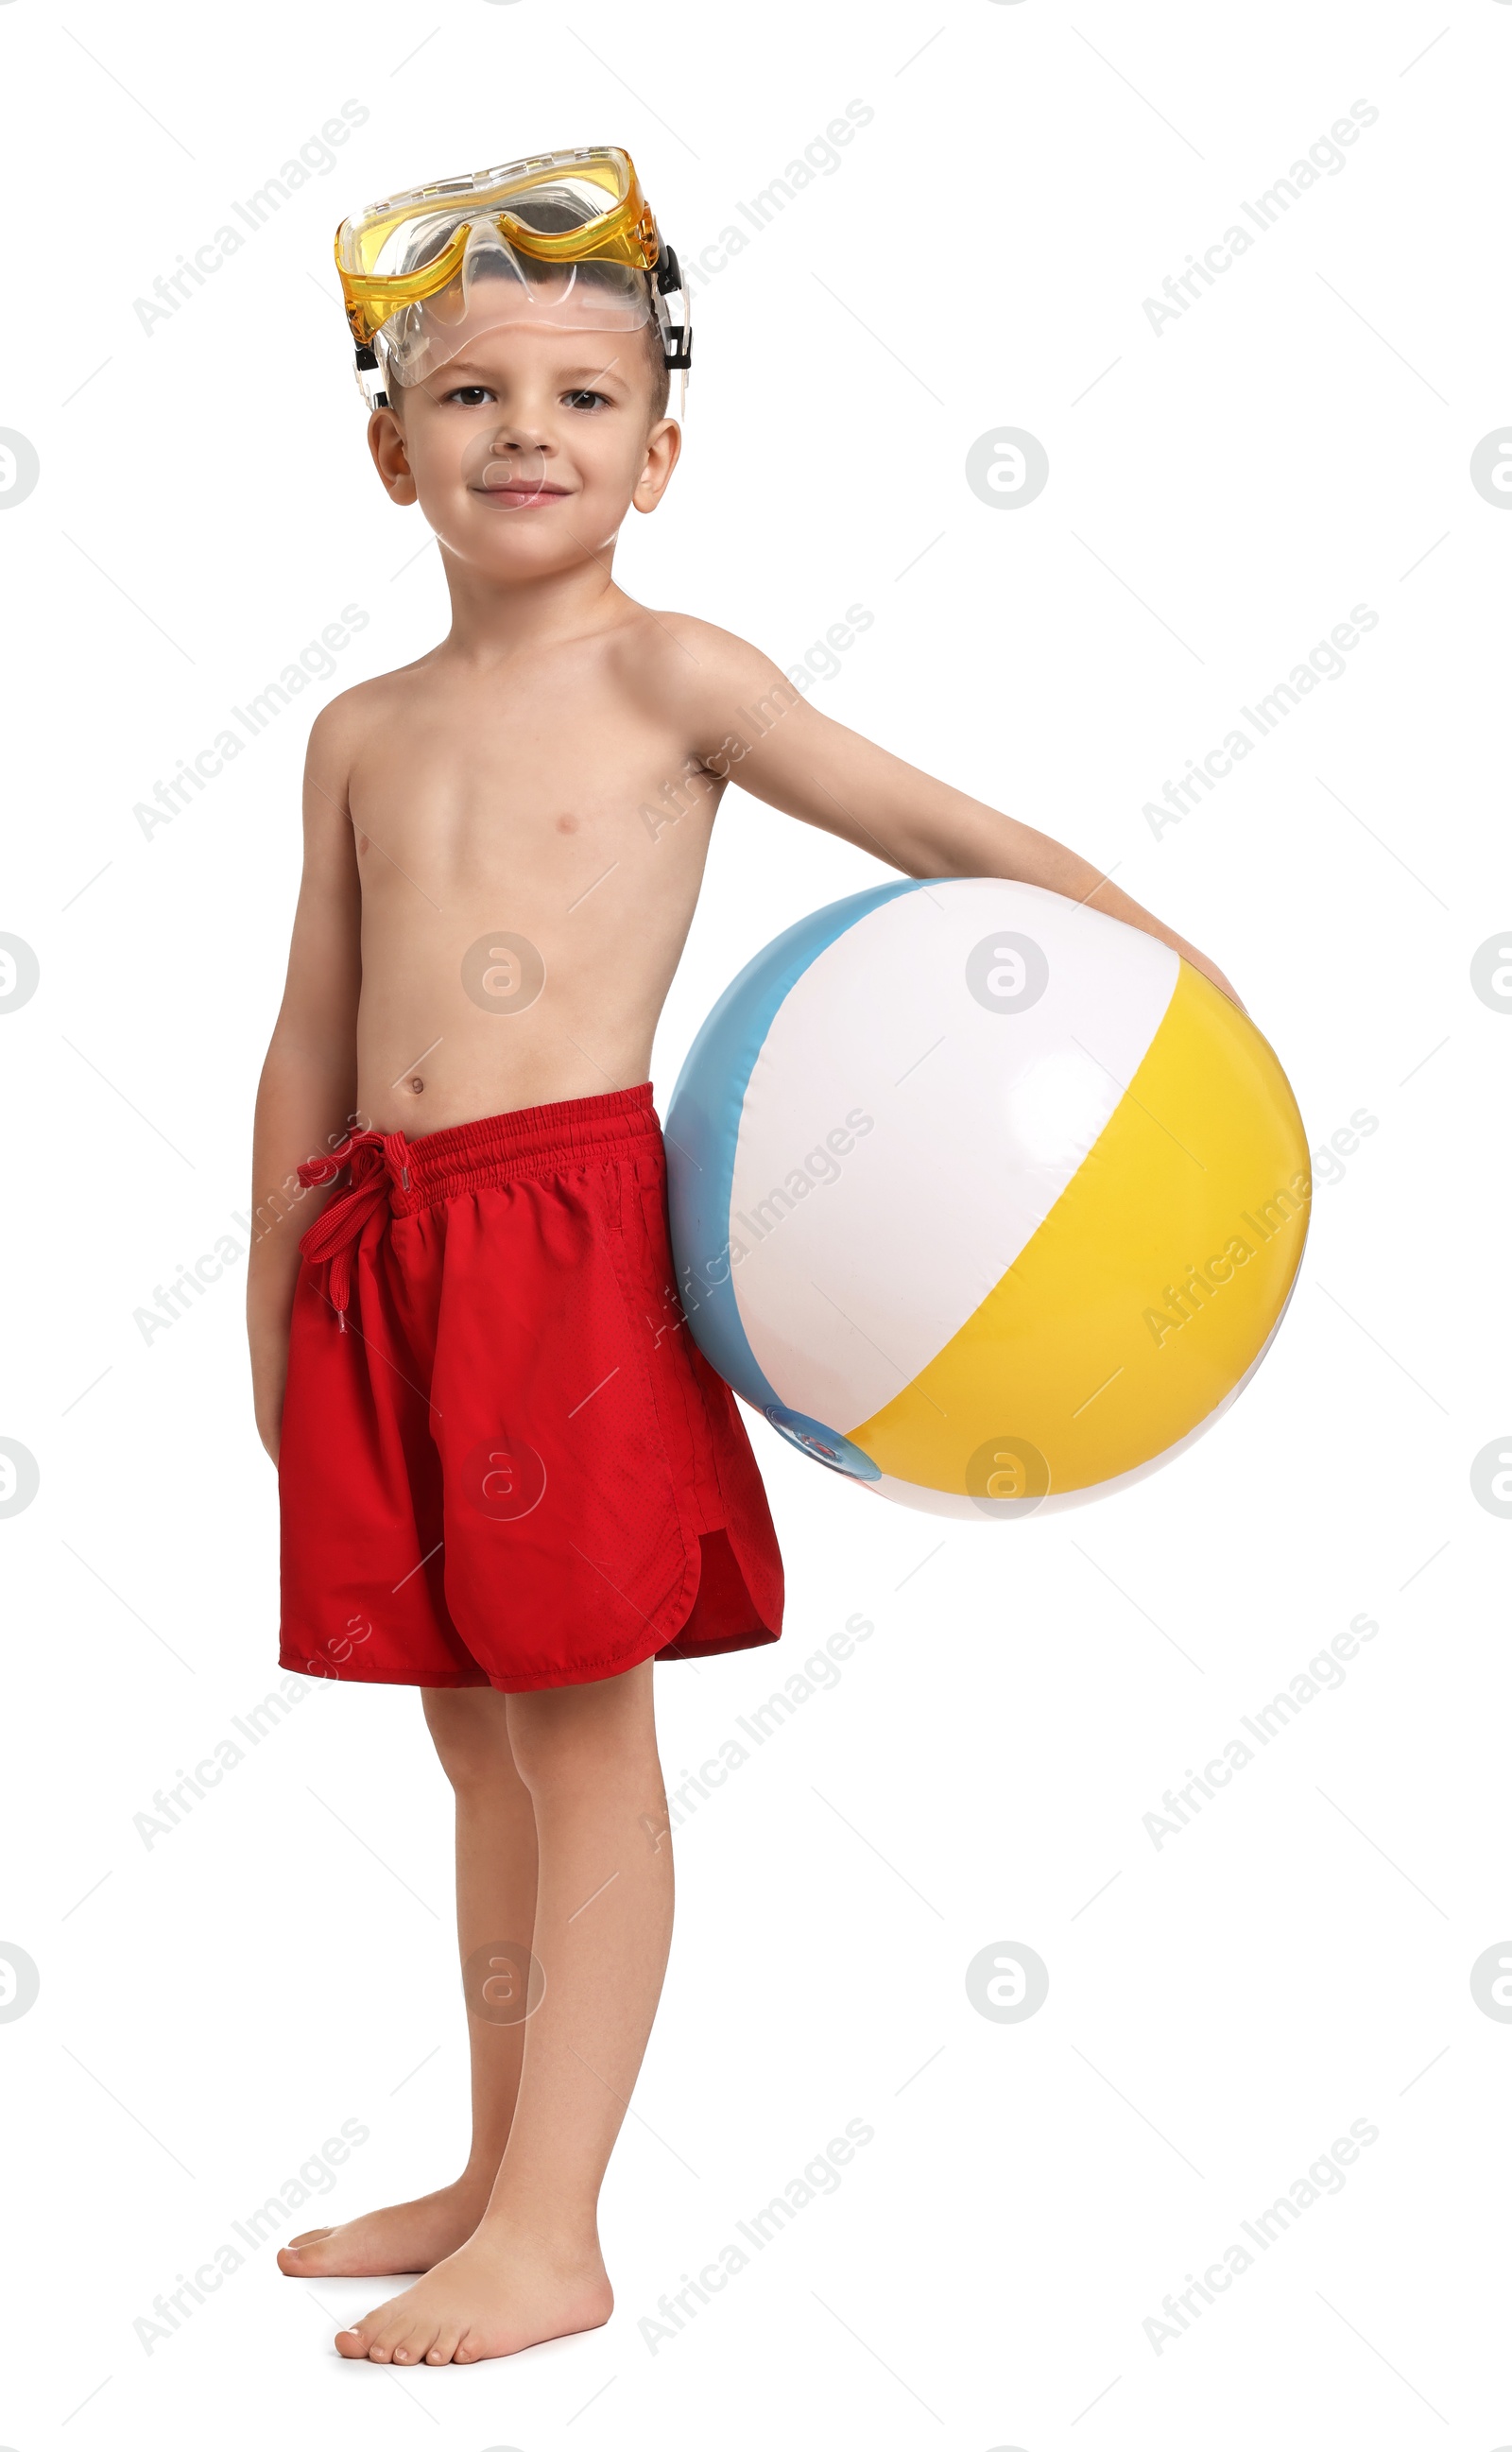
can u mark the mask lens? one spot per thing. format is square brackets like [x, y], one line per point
[497, 287]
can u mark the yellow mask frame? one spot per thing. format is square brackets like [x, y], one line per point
[373, 246]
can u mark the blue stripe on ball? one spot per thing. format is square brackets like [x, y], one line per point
[703, 1127]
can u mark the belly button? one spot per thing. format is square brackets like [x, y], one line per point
[417, 1085]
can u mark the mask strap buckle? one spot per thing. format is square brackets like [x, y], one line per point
[369, 379]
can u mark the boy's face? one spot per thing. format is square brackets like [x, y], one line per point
[525, 450]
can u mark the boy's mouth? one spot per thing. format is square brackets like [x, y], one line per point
[519, 494]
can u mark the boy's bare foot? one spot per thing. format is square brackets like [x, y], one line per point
[396, 2238]
[504, 2290]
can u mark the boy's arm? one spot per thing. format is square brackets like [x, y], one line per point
[308, 1092]
[752, 724]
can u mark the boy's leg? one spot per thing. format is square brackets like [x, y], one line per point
[533, 2269]
[495, 1902]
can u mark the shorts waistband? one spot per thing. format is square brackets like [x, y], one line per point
[392, 1176]
[522, 1141]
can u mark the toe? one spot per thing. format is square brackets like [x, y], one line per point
[302, 2255]
[443, 2348]
[409, 2346]
[375, 2335]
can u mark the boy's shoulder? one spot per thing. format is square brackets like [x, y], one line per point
[691, 662]
[352, 715]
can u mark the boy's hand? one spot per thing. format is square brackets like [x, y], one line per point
[310, 1078]
[1209, 971]
[1188, 952]
[270, 1372]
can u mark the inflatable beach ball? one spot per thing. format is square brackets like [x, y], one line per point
[988, 1201]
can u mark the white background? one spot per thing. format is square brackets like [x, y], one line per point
[1220, 496]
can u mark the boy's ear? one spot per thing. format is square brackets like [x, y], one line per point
[663, 447]
[385, 441]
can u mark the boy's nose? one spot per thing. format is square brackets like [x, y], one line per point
[512, 456]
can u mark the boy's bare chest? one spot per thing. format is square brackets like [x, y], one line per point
[474, 795]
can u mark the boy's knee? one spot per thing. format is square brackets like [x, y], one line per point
[470, 1732]
[566, 1736]
[547, 1746]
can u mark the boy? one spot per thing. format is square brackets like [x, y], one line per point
[507, 1474]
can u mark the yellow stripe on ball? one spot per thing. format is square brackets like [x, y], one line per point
[1143, 1297]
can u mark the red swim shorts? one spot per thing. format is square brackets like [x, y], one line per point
[504, 1462]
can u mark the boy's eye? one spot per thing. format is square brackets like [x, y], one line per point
[586, 399]
[470, 395]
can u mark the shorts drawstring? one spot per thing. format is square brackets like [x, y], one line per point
[349, 1220]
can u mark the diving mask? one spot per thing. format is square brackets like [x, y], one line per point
[565, 239]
